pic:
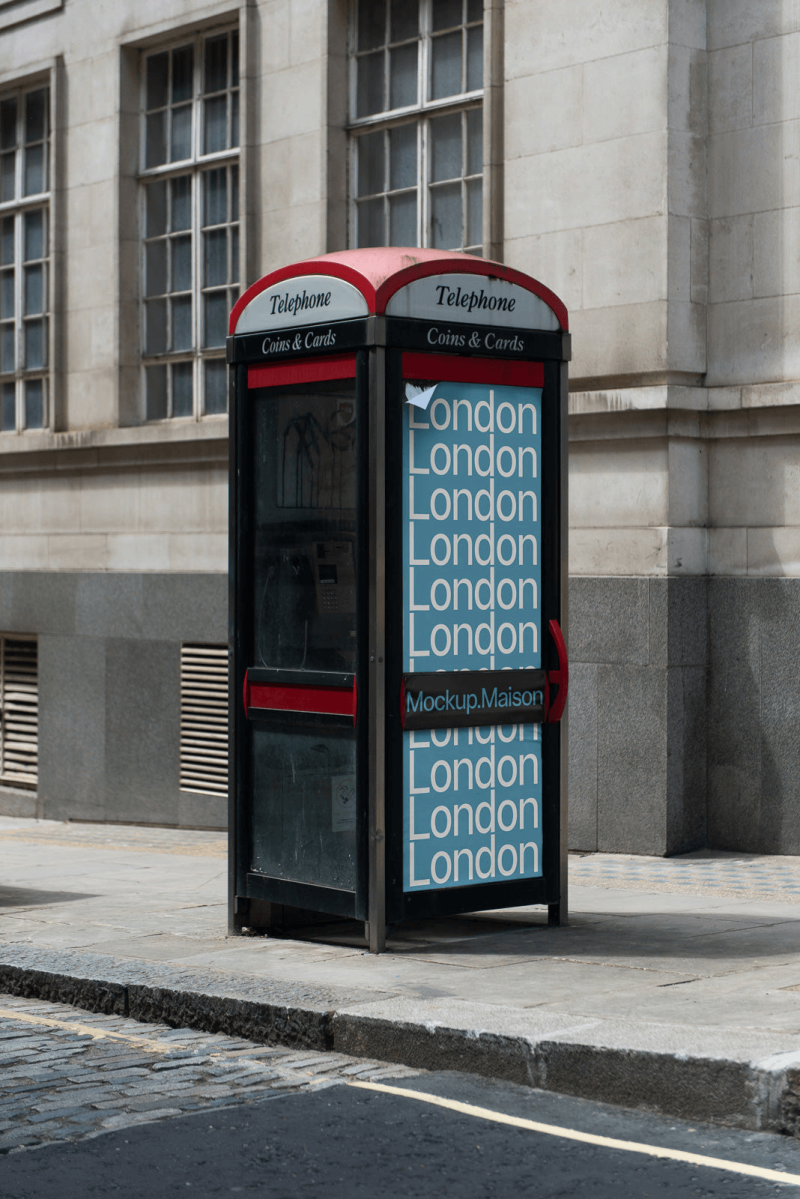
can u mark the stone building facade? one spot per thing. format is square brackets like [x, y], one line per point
[640, 158]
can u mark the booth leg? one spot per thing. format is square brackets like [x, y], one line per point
[557, 915]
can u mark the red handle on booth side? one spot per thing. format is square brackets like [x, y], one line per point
[558, 678]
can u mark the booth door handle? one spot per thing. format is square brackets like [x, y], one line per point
[558, 678]
[300, 697]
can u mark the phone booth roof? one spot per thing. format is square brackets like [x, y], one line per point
[381, 282]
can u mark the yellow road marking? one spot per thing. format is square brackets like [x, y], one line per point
[90, 1030]
[588, 1138]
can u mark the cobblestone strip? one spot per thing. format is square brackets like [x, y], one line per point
[66, 1074]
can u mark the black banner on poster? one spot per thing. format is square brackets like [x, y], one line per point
[473, 698]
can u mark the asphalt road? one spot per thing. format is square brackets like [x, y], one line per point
[140, 1111]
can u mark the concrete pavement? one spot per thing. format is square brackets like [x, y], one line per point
[676, 986]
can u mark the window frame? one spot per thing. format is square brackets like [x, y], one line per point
[195, 166]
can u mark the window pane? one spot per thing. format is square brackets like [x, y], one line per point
[182, 65]
[156, 139]
[182, 389]
[216, 399]
[216, 67]
[181, 263]
[215, 122]
[370, 223]
[34, 235]
[35, 346]
[155, 320]
[157, 74]
[234, 60]
[474, 10]
[182, 323]
[181, 143]
[156, 392]
[155, 263]
[156, 209]
[7, 240]
[474, 58]
[446, 147]
[215, 258]
[475, 212]
[8, 124]
[6, 295]
[235, 119]
[34, 171]
[7, 349]
[475, 141]
[35, 116]
[371, 24]
[235, 255]
[7, 181]
[446, 217]
[404, 20]
[446, 13]
[8, 413]
[34, 290]
[403, 219]
[403, 157]
[215, 197]
[216, 319]
[34, 404]
[446, 69]
[370, 84]
[234, 193]
[181, 214]
[403, 76]
[371, 169]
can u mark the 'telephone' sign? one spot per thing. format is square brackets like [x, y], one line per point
[471, 503]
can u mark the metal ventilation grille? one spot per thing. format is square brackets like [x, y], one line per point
[19, 712]
[204, 719]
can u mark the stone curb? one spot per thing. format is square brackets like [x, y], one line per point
[758, 1095]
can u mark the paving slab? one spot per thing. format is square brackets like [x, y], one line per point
[676, 985]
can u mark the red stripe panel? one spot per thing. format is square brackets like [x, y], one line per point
[309, 370]
[449, 368]
[323, 701]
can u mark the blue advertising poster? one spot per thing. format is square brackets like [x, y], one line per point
[471, 509]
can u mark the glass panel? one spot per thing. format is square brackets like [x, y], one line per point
[216, 67]
[34, 290]
[182, 323]
[446, 70]
[404, 19]
[35, 116]
[403, 156]
[446, 147]
[182, 389]
[182, 66]
[157, 76]
[7, 180]
[403, 76]
[371, 168]
[215, 257]
[34, 345]
[6, 295]
[156, 139]
[216, 319]
[370, 223]
[181, 263]
[474, 10]
[155, 321]
[234, 193]
[446, 217]
[34, 404]
[7, 240]
[371, 24]
[8, 124]
[475, 212]
[34, 235]
[156, 209]
[156, 392]
[215, 197]
[8, 414]
[181, 203]
[216, 380]
[215, 133]
[155, 273]
[446, 13]
[370, 84]
[34, 171]
[475, 141]
[235, 119]
[234, 59]
[181, 143]
[235, 254]
[7, 349]
[474, 58]
[403, 219]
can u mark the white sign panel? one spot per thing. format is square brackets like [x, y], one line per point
[303, 300]
[472, 299]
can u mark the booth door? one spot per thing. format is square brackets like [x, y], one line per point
[303, 669]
